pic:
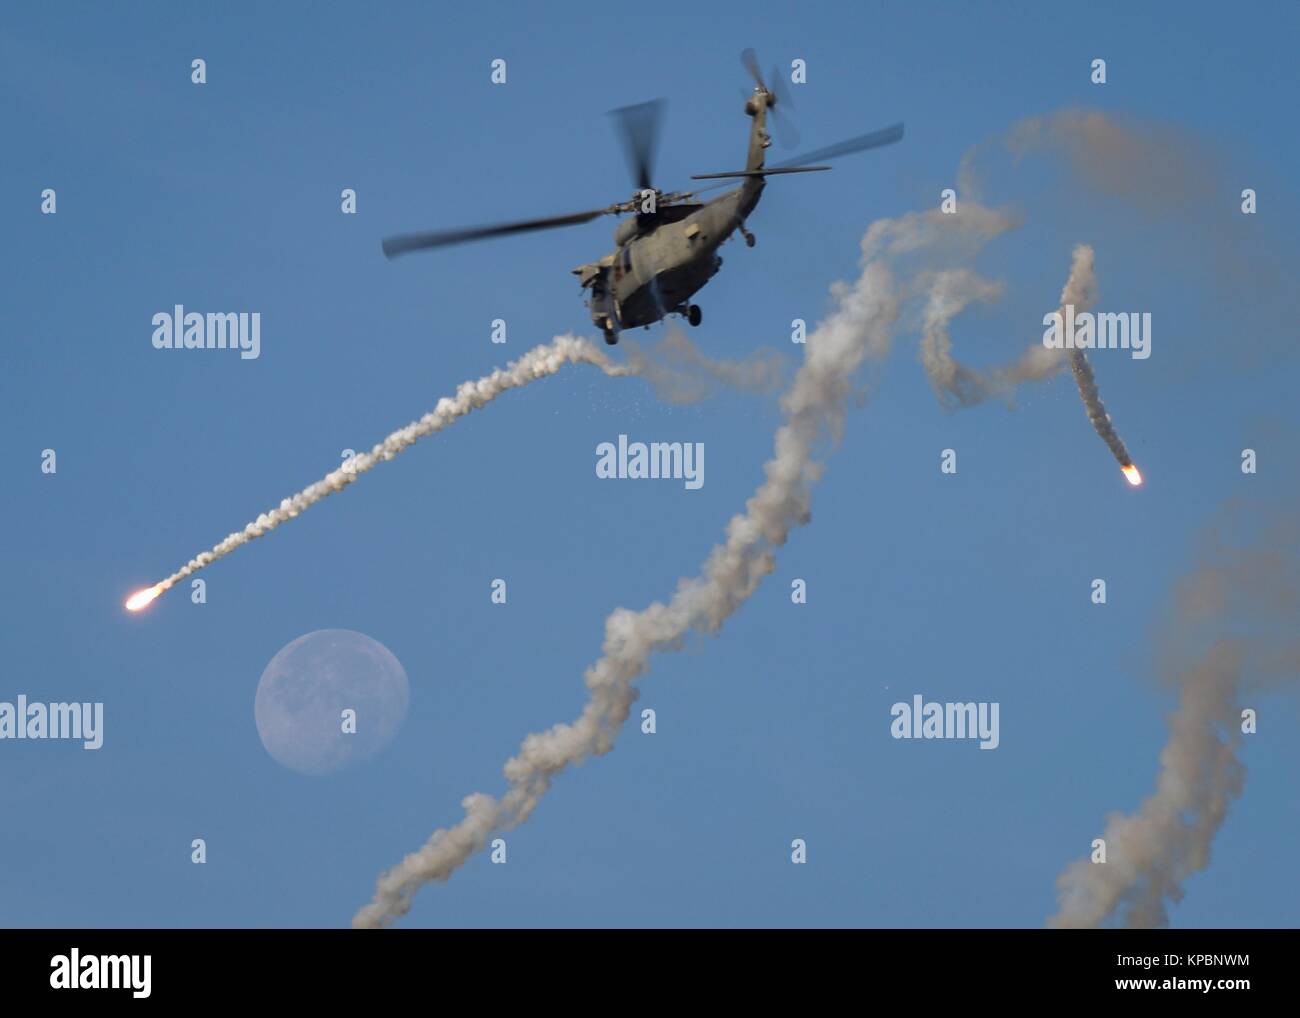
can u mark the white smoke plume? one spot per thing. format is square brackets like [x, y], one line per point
[681, 373]
[949, 292]
[540, 362]
[1231, 637]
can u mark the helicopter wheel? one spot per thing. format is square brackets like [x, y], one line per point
[611, 337]
[694, 315]
[750, 240]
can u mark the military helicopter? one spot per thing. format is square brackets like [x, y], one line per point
[667, 249]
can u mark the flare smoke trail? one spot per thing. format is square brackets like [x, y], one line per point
[955, 384]
[680, 373]
[1096, 410]
[814, 406]
[540, 362]
[1231, 636]
[951, 291]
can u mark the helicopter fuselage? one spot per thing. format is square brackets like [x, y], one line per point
[664, 257]
[669, 257]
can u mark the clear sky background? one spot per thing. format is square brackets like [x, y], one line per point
[971, 587]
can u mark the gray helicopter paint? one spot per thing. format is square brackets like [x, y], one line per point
[655, 273]
[669, 265]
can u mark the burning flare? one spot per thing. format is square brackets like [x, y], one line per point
[1132, 474]
[141, 598]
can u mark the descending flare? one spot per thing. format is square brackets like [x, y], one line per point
[1132, 474]
[142, 598]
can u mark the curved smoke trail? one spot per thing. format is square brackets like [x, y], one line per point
[955, 384]
[950, 291]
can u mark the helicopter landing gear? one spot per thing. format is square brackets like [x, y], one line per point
[694, 315]
[611, 337]
[750, 239]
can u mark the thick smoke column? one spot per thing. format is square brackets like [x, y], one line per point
[540, 362]
[1231, 636]
[812, 408]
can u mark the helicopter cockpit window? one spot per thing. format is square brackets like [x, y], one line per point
[622, 263]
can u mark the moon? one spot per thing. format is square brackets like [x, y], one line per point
[305, 691]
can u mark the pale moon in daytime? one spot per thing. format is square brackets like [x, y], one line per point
[310, 684]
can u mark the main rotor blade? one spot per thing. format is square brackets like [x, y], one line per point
[405, 242]
[639, 126]
[885, 136]
[750, 60]
[765, 172]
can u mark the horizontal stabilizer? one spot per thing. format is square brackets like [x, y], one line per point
[758, 173]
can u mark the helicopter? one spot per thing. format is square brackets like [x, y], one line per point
[666, 250]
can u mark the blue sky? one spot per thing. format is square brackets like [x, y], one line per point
[973, 587]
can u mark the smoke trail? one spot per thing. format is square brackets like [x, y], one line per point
[1094, 407]
[1232, 634]
[949, 292]
[814, 406]
[681, 373]
[540, 362]
[1150, 167]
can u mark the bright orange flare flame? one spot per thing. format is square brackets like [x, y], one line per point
[141, 598]
[1132, 475]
